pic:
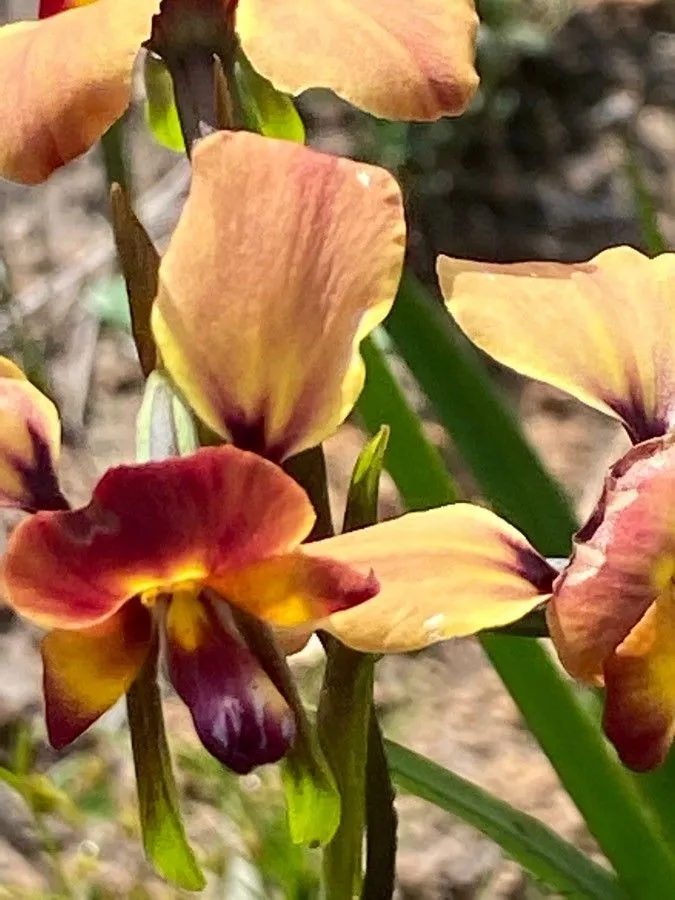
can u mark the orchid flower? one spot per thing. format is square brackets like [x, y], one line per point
[176, 552]
[385, 56]
[604, 331]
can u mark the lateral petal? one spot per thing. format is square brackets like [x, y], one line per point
[149, 526]
[623, 559]
[443, 573]
[86, 672]
[264, 302]
[384, 56]
[238, 713]
[295, 590]
[602, 330]
[55, 105]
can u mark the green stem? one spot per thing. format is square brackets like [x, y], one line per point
[382, 821]
[114, 156]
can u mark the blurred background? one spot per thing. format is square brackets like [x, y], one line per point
[569, 147]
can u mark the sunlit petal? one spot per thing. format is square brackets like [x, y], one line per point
[603, 330]
[55, 104]
[86, 672]
[265, 296]
[30, 439]
[151, 525]
[239, 715]
[443, 573]
[624, 558]
[639, 716]
[295, 589]
[390, 58]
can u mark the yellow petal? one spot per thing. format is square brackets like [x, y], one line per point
[65, 80]
[265, 296]
[443, 573]
[392, 58]
[639, 716]
[603, 331]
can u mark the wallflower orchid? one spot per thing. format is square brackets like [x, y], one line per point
[385, 56]
[604, 331]
[182, 548]
[265, 297]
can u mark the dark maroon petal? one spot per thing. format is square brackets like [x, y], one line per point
[239, 715]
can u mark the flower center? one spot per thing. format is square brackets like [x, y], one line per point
[184, 589]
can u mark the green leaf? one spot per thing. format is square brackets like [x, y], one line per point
[530, 843]
[364, 488]
[452, 376]
[412, 461]
[164, 838]
[267, 111]
[644, 203]
[161, 112]
[139, 261]
[165, 426]
[312, 797]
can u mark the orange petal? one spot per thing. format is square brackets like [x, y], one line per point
[603, 331]
[443, 573]
[385, 56]
[30, 439]
[151, 526]
[639, 716]
[295, 590]
[623, 559]
[54, 104]
[239, 715]
[263, 301]
[86, 672]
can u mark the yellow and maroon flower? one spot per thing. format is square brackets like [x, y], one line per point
[265, 297]
[390, 58]
[182, 548]
[604, 331]
[178, 545]
[30, 437]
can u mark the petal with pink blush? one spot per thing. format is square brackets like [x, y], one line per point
[295, 590]
[30, 441]
[384, 56]
[43, 128]
[272, 362]
[639, 715]
[238, 713]
[443, 573]
[602, 330]
[152, 525]
[623, 559]
[86, 672]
